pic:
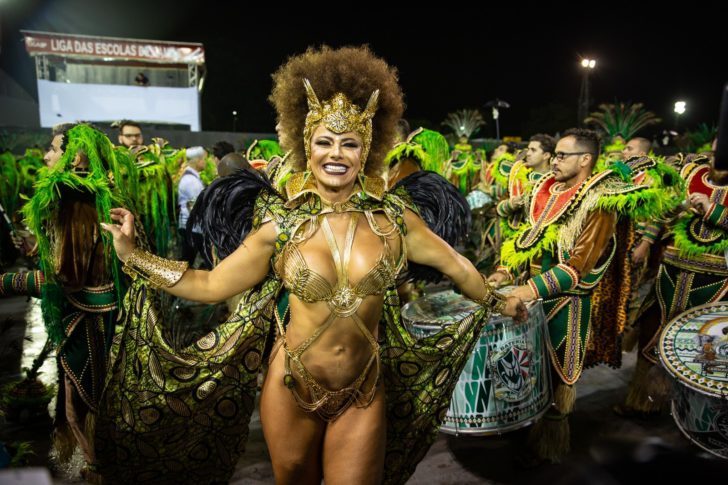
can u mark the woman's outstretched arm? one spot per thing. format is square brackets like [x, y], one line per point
[240, 271]
[425, 247]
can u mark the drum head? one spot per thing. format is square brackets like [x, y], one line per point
[477, 199]
[694, 349]
[438, 309]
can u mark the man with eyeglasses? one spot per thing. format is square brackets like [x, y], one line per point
[566, 247]
[130, 134]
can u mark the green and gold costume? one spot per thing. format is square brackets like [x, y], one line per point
[693, 271]
[549, 239]
[574, 247]
[499, 173]
[654, 173]
[521, 181]
[463, 168]
[80, 281]
[181, 415]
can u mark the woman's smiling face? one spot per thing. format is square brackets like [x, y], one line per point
[335, 158]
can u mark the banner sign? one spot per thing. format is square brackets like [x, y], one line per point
[112, 48]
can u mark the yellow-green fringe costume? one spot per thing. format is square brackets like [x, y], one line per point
[79, 321]
[464, 168]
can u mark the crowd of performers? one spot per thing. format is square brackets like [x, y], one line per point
[316, 244]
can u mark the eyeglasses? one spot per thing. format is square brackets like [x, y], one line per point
[563, 155]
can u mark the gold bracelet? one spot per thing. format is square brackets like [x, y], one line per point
[492, 299]
[160, 272]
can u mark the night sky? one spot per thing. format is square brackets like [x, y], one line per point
[447, 60]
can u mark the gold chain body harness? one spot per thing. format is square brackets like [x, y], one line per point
[343, 301]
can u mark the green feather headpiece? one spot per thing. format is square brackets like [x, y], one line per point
[153, 203]
[617, 145]
[210, 172]
[428, 147]
[264, 150]
[100, 179]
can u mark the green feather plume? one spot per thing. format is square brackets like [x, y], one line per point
[428, 147]
[621, 169]
[264, 150]
[153, 203]
[29, 166]
[42, 208]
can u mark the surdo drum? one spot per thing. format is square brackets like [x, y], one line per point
[505, 385]
[694, 350]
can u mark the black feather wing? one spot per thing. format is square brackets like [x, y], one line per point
[224, 212]
[443, 209]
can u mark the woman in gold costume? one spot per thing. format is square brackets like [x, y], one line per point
[348, 395]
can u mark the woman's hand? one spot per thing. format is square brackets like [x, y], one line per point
[515, 309]
[123, 233]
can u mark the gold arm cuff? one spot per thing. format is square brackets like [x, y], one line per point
[492, 299]
[160, 272]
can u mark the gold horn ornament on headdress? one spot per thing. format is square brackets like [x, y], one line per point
[339, 115]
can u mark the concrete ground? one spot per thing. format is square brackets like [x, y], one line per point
[606, 449]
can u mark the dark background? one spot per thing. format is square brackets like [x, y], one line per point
[448, 58]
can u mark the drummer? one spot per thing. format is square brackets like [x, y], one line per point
[580, 213]
[521, 180]
[692, 272]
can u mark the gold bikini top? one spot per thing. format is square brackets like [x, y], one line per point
[343, 299]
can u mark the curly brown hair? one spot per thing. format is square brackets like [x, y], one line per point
[354, 71]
